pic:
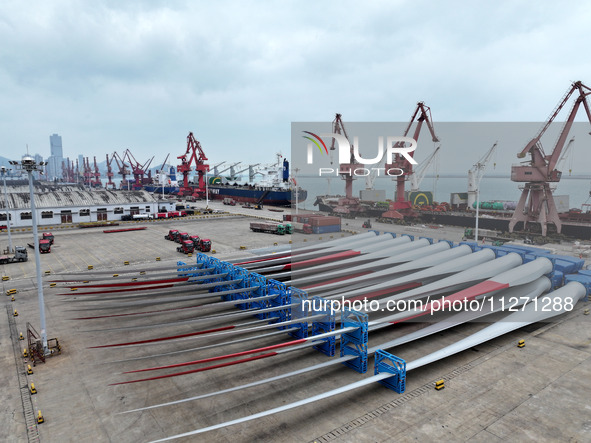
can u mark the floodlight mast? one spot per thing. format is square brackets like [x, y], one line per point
[29, 165]
[5, 171]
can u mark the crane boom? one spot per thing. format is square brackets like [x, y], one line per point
[419, 173]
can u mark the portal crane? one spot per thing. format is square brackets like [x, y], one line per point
[476, 173]
[123, 171]
[422, 115]
[197, 157]
[139, 170]
[109, 184]
[345, 169]
[87, 173]
[96, 176]
[418, 174]
[537, 203]
[67, 171]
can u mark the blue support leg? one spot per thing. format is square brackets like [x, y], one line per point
[386, 362]
[355, 342]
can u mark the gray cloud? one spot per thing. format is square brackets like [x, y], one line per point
[109, 75]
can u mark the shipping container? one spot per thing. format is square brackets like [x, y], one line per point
[326, 229]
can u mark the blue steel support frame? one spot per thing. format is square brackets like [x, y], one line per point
[355, 342]
[282, 298]
[299, 311]
[386, 362]
[324, 324]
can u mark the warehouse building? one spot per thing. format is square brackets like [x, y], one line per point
[65, 204]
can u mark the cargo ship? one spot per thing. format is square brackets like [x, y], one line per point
[164, 182]
[275, 188]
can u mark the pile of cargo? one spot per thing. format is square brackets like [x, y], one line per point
[312, 223]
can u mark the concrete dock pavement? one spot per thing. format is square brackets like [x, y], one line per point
[493, 392]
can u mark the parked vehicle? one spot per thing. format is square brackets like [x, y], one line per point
[44, 246]
[204, 245]
[181, 237]
[48, 236]
[186, 247]
[272, 228]
[171, 234]
[194, 239]
[20, 255]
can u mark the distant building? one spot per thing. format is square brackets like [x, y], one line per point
[54, 162]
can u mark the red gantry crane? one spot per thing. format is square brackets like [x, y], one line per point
[400, 206]
[139, 171]
[193, 155]
[87, 172]
[536, 203]
[345, 169]
[96, 180]
[110, 184]
[123, 171]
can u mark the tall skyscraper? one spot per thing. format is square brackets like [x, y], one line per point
[54, 162]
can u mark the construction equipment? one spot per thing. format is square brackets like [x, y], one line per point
[537, 203]
[195, 156]
[186, 247]
[400, 207]
[20, 255]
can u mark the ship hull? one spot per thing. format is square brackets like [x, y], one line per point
[246, 194]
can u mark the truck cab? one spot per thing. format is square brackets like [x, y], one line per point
[182, 237]
[44, 246]
[48, 236]
[171, 234]
[204, 245]
[20, 253]
[194, 239]
[186, 247]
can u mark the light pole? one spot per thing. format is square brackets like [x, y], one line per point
[206, 191]
[4, 171]
[29, 165]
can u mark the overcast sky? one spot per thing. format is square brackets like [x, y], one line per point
[110, 75]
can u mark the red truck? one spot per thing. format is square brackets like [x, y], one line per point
[204, 245]
[48, 236]
[186, 247]
[171, 234]
[181, 237]
[44, 246]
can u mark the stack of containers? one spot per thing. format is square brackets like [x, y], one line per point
[324, 225]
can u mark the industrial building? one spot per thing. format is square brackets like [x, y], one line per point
[57, 204]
